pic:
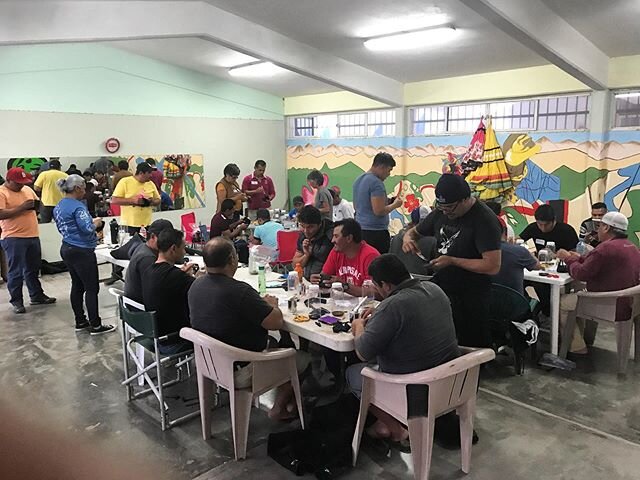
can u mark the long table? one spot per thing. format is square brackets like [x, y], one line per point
[556, 284]
[322, 335]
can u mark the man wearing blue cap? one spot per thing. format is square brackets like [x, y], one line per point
[468, 246]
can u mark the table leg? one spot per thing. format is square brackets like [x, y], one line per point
[555, 318]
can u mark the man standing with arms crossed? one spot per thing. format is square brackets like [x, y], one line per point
[371, 203]
[468, 246]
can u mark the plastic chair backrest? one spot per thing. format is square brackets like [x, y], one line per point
[140, 321]
[603, 305]
[287, 241]
[188, 225]
[508, 305]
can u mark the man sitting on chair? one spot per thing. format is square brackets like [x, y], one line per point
[350, 258]
[165, 287]
[143, 257]
[234, 313]
[613, 265]
[402, 336]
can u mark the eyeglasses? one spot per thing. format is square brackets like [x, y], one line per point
[447, 207]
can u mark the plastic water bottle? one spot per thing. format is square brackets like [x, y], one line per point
[581, 248]
[292, 281]
[262, 281]
[369, 291]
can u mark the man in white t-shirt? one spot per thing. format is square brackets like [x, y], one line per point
[342, 209]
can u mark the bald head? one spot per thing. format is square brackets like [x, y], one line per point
[219, 253]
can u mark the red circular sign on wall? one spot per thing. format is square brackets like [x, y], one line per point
[112, 145]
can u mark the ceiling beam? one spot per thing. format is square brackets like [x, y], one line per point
[536, 26]
[66, 21]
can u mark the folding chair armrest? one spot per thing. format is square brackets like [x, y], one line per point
[460, 364]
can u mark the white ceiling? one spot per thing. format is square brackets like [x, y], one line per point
[612, 25]
[212, 59]
[332, 26]
[323, 40]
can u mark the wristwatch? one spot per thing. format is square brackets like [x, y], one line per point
[345, 287]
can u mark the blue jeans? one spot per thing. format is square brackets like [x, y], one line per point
[23, 260]
[83, 269]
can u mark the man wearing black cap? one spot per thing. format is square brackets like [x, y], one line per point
[468, 247]
[143, 257]
[50, 194]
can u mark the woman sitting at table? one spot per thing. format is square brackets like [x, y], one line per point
[79, 241]
[228, 187]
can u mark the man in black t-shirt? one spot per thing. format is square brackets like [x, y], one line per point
[143, 257]
[314, 243]
[165, 287]
[547, 229]
[234, 313]
[468, 247]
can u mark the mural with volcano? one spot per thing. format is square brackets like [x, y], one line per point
[542, 168]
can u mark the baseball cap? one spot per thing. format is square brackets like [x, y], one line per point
[18, 175]
[143, 167]
[452, 188]
[616, 220]
[159, 225]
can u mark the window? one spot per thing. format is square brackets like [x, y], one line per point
[381, 123]
[375, 123]
[428, 120]
[465, 118]
[563, 113]
[554, 113]
[513, 115]
[627, 109]
[302, 126]
[352, 125]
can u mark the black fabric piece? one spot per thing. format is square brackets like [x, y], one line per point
[51, 268]
[125, 251]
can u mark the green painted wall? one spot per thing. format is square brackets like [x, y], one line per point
[92, 78]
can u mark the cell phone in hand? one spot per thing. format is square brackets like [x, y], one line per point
[390, 200]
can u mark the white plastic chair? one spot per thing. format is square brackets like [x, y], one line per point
[215, 364]
[452, 386]
[601, 307]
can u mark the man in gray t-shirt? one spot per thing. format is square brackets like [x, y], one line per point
[410, 331]
[371, 203]
[323, 200]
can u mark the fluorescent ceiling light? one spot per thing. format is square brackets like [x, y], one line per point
[628, 95]
[411, 40]
[233, 59]
[403, 24]
[257, 69]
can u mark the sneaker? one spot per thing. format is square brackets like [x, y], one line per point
[42, 300]
[82, 326]
[18, 307]
[102, 329]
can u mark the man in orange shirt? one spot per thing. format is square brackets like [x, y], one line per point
[20, 239]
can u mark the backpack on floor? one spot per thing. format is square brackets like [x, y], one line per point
[51, 268]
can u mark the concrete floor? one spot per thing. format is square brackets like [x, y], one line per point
[583, 424]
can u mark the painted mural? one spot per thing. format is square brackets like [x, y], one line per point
[183, 173]
[571, 170]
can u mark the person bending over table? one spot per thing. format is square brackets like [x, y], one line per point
[468, 244]
[165, 288]
[79, 240]
[402, 336]
[232, 312]
[349, 260]
[613, 265]
[266, 233]
[314, 242]
[223, 225]
[143, 257]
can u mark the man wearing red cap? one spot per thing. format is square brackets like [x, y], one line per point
[20, 239]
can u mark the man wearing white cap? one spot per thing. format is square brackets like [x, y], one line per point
[613, 265]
